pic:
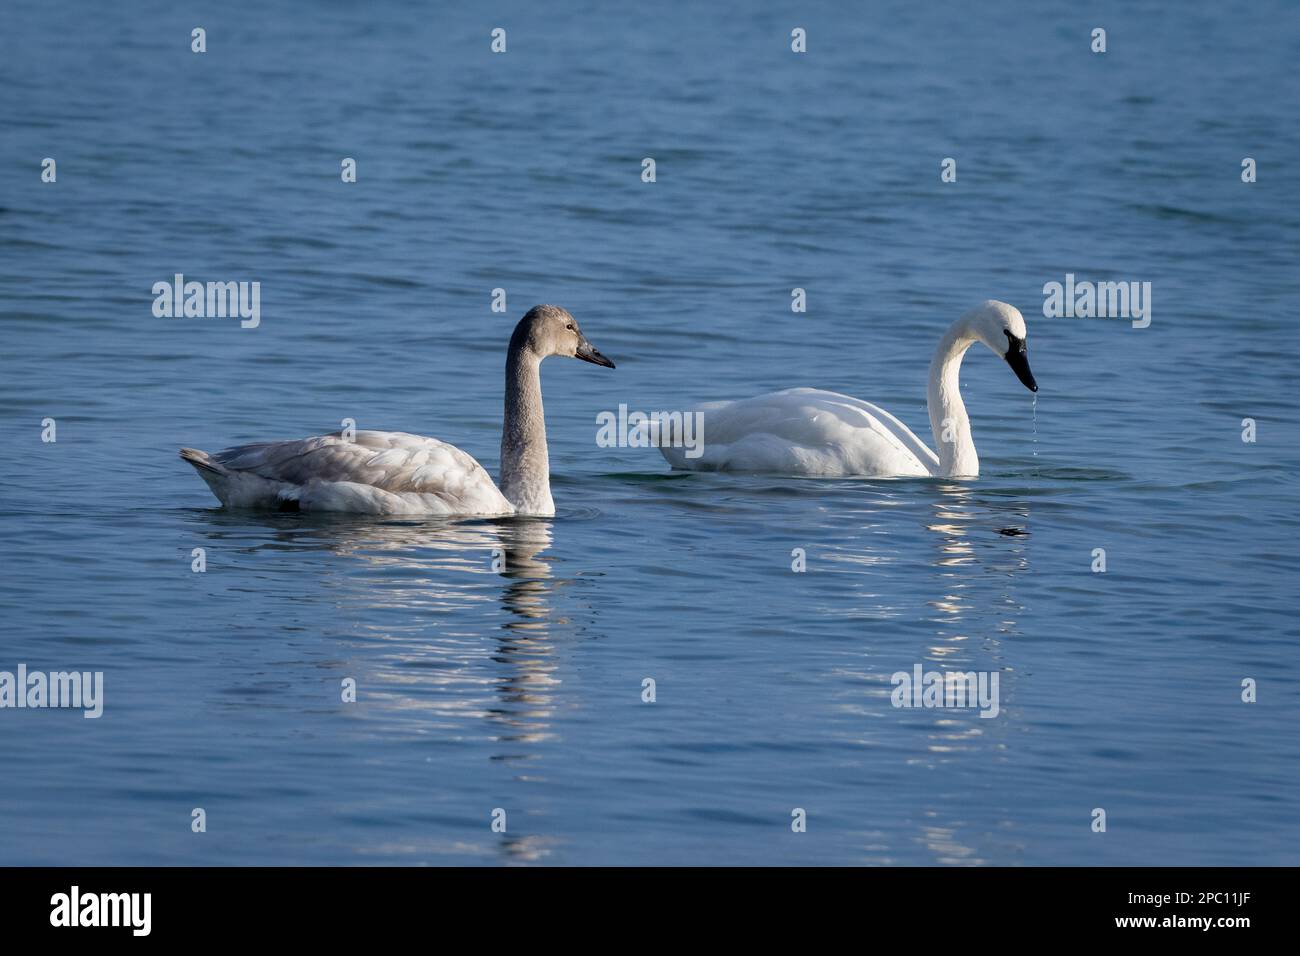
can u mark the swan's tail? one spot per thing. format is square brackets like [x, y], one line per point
[215, 475]
[238, 488]
[201, 461]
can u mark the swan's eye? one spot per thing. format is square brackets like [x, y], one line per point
[1013, 344]
[569, 326]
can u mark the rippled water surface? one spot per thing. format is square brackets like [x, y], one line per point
[522, 689]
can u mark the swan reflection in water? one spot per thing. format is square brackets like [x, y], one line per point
[981, 545]
[959, 619]
[959, 514]
[456, 623]
[423, 595]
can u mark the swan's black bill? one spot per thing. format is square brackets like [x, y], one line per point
[1018, 358]
[589, 353]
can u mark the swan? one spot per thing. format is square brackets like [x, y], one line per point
[393, 473]
[808, 431]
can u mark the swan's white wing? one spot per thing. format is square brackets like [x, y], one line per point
[806, 431]
[376, 472]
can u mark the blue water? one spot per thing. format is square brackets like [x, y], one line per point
[522, 690]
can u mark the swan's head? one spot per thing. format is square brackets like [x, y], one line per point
[550, 330]
[1002, 328]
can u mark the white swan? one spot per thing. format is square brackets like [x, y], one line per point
[807, 431]
[396, 473]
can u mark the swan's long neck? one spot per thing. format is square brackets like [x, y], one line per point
[525, 466]
[948, 419]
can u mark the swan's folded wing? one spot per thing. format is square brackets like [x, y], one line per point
[394, 462]
[857, 413]
[807, 431]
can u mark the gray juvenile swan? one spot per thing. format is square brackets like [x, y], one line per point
[395, 473]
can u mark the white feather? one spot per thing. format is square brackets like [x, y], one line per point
[806, 431]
